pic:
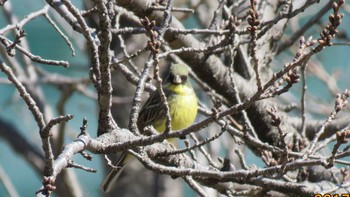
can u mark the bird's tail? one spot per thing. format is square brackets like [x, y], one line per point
[114, 173]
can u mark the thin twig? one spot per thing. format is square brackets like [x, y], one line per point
[196, 145]
[341, 139]
[131, 77]
[238, 98]
[34, 58]
[191, 152]
[253, 21]
[189, 180]
[72, 164]
[216, 13]
[25, 20]
[289, 15]
[241, 159]
[305, 27]
[65, 38]
[62, 162]
[173, 9]
[340, 103]
[136, 103]
[24, 94]
[172, 30]
[326, 142]
[302, 99]
[122, 45]
[204, 152]
[95, 74]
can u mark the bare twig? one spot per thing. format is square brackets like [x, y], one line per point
[305, 27]
[62, 162]
[71, 164]
[34, 58]
[66, 39]
[196, 145]
[25, 20]
[173, 9]
[194, 186]
[340, 103]
[24, 94]
[81, 25]
[253, 21]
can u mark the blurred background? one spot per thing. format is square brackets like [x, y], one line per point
[327, 73]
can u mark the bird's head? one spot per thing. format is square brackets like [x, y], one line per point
[178, 74]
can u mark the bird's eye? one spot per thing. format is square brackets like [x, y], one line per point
[183, 78]
[171, 77]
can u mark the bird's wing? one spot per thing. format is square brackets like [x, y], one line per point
[152, 111]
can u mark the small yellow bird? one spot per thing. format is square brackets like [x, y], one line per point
[183, 106]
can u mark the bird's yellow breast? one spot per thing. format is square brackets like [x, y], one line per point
[183, 108]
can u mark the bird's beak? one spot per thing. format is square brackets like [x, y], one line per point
[177, 79]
